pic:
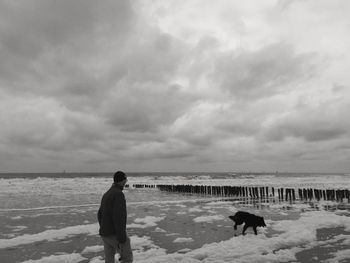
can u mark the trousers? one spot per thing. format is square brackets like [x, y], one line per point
[113, 246]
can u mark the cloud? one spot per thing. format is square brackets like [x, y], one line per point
[317, 123]
[39, 123]
[44, 24]
[32, 29]
[170, 149]
[204, 85]
[154, 57]
[146, 107]
[264, 72]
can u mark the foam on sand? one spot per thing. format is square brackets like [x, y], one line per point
[208, 218]
[66, 258]
[50, 235]
[294, 237]
[92, 249]
[148, 221]
[289, 238]
[183, 240]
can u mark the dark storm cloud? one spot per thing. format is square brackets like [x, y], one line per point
[309, 130]
[313, 124]
[146, 108]
[168, 149]
[86, 73]
[147, 96]
[77, 52]
[121, 92]
[264, 72]
[37, 124]
[40, 24]
[34, 35]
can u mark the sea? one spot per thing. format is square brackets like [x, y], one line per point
[51, 217]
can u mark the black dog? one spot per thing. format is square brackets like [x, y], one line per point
[249, 220]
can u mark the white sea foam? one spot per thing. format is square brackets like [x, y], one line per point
[92, 249]
[66, 258]
[98, 259]
[195, 209]
[183, 240]
[208, 218]
[50, 235]
[148, 221]
[164, 202]
[250, 248]
[45, 208]
[159, 230]
[293, 236]
[17, 228]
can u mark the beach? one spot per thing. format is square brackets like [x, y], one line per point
[210, 108]
[54, 220]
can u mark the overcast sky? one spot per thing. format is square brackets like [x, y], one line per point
[195, 85]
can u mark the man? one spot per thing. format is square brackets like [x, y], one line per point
[112, 220]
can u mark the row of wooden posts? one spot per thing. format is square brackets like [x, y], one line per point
[287, 194]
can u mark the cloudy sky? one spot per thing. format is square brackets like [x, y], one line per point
[154, 85]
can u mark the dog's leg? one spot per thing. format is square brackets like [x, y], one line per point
[255, 230]
[244, 229]
[235, 227]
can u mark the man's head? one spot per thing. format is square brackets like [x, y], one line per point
[120, 178]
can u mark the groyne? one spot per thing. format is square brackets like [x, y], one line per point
[256, 192]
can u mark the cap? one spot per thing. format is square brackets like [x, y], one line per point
[119, 176]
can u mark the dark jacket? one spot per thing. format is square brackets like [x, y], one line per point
[112, 214]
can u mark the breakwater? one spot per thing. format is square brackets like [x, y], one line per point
[256, 192]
